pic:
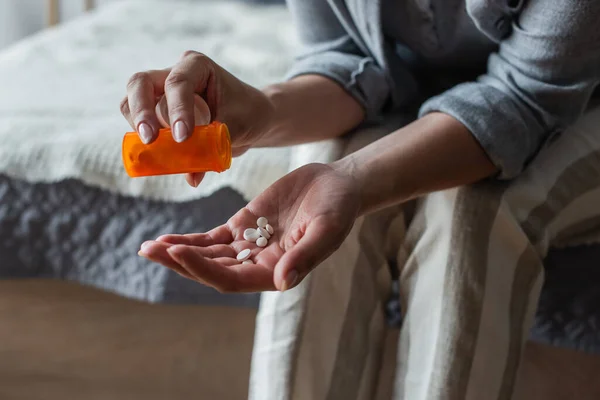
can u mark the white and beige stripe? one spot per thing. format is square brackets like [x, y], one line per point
[471, 272]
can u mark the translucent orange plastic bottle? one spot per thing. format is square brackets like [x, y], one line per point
[208, 149]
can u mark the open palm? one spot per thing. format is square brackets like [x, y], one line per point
[311, 209]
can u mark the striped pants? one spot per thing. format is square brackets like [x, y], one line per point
[471, 271]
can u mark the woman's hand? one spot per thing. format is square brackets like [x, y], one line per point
[312, 211]
[194, 92]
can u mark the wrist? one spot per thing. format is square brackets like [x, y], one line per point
[266, 116]
[256, 121]
[435, 152]
[357, 171]
[305, 109]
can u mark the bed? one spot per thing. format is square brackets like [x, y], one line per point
[67, 208]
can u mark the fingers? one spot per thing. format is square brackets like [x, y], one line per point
[238, 151]
[188, 77]
[218, 235]
[201, 117]
[319, 241]
[157, 252]
[185, 239]
[140, 106]
[201, 112]
[124, 107]
[194, 179]
[162, 112]
[181, 107]
[235, 278]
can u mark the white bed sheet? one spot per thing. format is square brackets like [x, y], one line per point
[60, 91]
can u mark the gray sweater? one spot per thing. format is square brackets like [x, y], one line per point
[540, 63]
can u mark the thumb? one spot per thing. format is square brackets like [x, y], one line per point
[201, 117]
[201, 112]
[321, 239]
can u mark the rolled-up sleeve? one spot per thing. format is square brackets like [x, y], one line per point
[537, 83]
[328, 50]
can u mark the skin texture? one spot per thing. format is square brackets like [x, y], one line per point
[307, 230]
[194, 90]
[313, 208]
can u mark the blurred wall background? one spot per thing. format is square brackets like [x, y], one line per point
[20, 18]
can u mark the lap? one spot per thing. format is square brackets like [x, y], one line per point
[553, 202]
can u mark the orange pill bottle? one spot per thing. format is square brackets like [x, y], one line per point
[208, 149]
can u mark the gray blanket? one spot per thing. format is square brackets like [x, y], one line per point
[68, 230]
[568, 312]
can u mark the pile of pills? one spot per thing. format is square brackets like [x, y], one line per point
[260, 236]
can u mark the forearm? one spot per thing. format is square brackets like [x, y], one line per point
[433, 153]
[306, 109]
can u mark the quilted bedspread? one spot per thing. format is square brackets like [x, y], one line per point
[70, 230]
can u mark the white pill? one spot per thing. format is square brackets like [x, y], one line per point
[251, 235]
[261, 242]
[269, 229]
[247, 262]
[264, 233]
[243, 255]
[262, 222]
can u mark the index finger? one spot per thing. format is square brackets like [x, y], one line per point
[219, 235]
[142, 91]
[187, 78]
[239, 278]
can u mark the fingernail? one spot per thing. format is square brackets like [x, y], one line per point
[146, 133]
[289, 281]
[201, 118]
[161, 238]
[180, 131]
[143, 248]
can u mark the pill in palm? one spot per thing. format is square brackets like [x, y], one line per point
[251, 234]
[262, 222]
[269, 229]
[246, 262]
[264, 233]
[243, 255]
[261, 242]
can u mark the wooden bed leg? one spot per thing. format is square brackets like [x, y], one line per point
[89, 4]
[52, 12]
